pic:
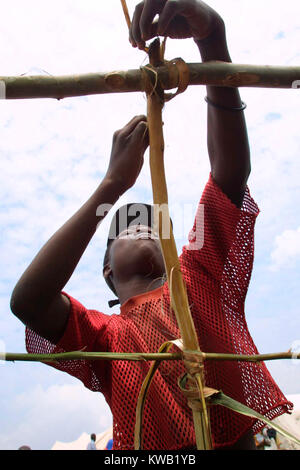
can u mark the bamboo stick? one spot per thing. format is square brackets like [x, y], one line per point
[136, 357]
[209, 73]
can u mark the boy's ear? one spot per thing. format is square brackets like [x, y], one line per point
[107, 271]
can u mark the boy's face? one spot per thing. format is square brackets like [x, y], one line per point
[136, 252]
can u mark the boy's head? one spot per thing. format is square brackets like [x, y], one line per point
[133, 247]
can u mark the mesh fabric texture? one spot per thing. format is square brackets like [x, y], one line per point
[217, 278]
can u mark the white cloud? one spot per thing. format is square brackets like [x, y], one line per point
[286, 252]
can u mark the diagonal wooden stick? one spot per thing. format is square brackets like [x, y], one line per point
[126, 13]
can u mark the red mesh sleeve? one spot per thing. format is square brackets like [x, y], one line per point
[221, 230]
[86, 329]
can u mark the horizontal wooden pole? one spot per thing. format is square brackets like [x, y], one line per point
[209, 73]
[108, 356]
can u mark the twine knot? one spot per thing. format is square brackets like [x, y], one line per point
[188, 382]
[178, 75]
[190, 390]
[194, 363]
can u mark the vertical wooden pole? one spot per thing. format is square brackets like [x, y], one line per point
[178, 294]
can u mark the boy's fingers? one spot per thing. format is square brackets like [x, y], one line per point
[135, 32]
[150, 10]
[141, 135]
[129, 128]
[170, 10]
[141, 131]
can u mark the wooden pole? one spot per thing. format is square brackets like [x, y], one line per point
[126, 13]
[142, 357]
[178, 294]
[210, 73]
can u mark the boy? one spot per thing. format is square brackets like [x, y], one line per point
[217, 276]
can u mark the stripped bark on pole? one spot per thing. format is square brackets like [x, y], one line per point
[209, 73]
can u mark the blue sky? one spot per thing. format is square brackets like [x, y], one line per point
[54, 154]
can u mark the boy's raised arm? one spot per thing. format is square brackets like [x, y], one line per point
[36, 299]
[227, 136]
[228, 144]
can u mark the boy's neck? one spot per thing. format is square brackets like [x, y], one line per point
[137, 286]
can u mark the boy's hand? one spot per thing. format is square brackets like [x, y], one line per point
[178, 19]
[127, 155]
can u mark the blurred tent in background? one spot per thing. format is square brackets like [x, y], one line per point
[82, 442]
[292, 423]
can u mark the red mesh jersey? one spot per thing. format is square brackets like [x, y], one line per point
[217, 278]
